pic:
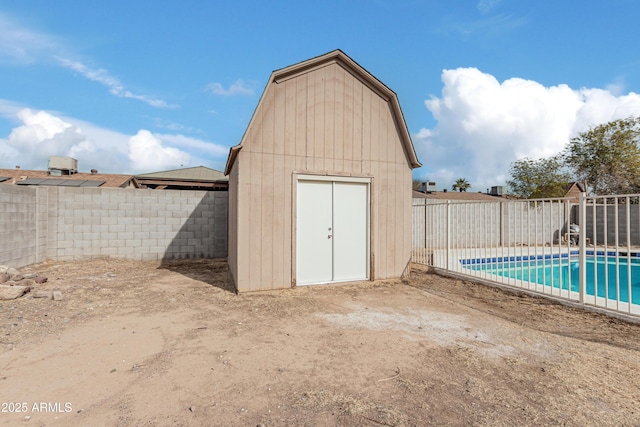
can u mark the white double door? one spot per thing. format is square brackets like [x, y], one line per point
[332, 231]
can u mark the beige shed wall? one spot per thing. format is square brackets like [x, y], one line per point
[232, 221]
[328, 122]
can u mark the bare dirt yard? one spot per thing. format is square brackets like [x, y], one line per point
[143, 344]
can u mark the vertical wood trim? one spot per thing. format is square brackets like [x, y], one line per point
[288, 245]
[294, 223]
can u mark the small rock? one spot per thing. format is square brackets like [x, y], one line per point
[17, 277]
[57, 295]
[192, 408]
[4, 268]
[12, 292]
[26, 282]
[40, 279]
[29, 275]
[4, 277]
[12, 272]
[42, 294]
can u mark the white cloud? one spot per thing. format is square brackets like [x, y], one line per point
[116, 88]
[484, 125]
[147, 153]
[21, 45]
[187, 142]
[41, 134]
[237, 88]
[486, 6]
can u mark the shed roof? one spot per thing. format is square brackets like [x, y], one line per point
[196, 173]
[338, 57]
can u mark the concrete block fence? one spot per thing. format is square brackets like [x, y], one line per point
[23, 225]
[62, 223]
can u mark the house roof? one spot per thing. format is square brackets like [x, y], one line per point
[37, 177]
[338, 57]
[198, 178]
[455, 195]
[196, 173]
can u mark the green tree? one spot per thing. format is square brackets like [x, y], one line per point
[608, 157]
[460, 185]
[542, 178]
[415, 184]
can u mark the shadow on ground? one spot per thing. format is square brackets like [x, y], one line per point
[214, 272]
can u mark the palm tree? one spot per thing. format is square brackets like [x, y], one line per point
[461, 185]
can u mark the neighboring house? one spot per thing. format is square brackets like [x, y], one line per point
[194, 178]
[574, 189]
[320, 184]
[78, 179]
[457, 196]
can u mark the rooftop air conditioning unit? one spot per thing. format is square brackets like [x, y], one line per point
[497, 190]
[59, 165]
[427, 187]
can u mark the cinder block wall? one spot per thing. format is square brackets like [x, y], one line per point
[598, 235]
[80, 223]
[23, 225]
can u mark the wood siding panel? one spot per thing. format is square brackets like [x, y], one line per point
[232, 221]
[290, 118]
[279, 115]
[338, 141]
[311, 121]
[365, 109]
[279, 210]
[244, 215]
[301, 112]
[357, 123]
[254, 224]
[266, 131]
[266, 221]
[318, 120]
[330, 112]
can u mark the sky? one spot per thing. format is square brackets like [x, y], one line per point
[144, 86]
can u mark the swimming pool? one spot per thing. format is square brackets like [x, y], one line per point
[561, 271]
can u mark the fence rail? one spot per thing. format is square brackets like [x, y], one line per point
[583, 249]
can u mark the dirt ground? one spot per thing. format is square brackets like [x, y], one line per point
[142, 344]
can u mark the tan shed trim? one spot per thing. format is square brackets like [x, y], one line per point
[233, 153]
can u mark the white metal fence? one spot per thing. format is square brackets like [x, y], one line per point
[585, 249]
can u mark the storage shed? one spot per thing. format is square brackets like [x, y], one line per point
[320, 184]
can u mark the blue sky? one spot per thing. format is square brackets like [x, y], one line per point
[140, 86]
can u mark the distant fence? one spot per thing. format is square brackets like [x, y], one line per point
[531, 245]
[64, 223]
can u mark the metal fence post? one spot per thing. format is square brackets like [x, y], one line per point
[448, 216]
[582, 245]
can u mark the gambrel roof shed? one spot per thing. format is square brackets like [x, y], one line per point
[320, 185]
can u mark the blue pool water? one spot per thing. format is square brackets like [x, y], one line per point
[562, 271]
